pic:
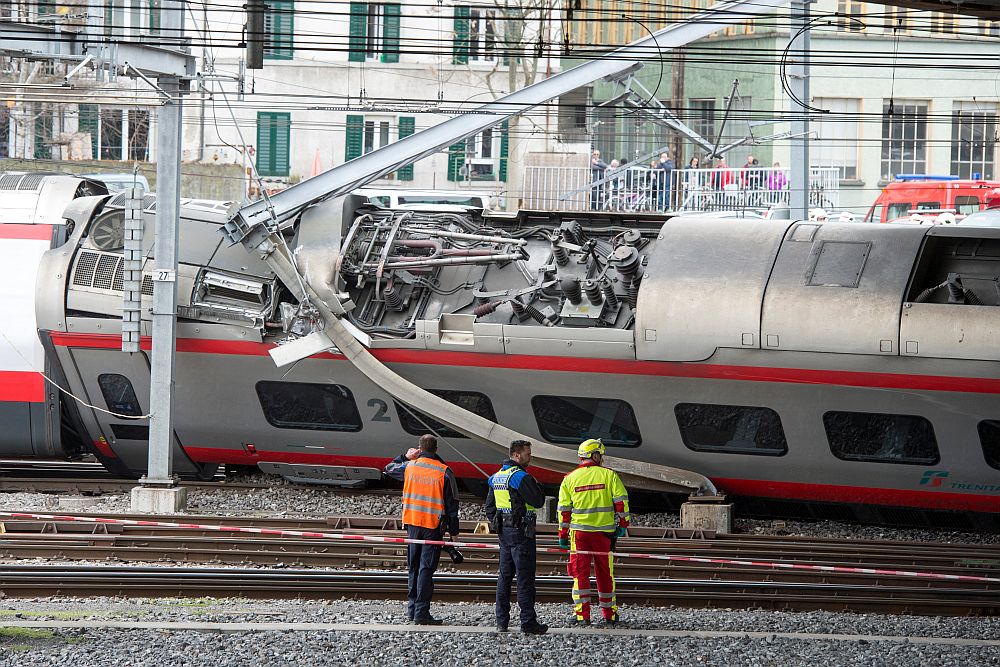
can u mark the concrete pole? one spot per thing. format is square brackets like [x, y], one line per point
[798, 79]
[158, 492]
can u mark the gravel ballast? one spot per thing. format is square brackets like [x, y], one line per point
[158, 647]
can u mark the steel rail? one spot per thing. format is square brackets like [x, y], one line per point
[40, 580]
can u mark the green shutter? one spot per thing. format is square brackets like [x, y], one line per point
[89, 122]
[43, 130]
[460, 48]
[154, 16]
[390, 34]
[282, 143]
[456, 158]
[358, 32]
[354, 143]
[407, 125]
[280, 29]
[273, 143]
[504, 135]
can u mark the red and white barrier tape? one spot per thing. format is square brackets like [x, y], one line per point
[495, 547]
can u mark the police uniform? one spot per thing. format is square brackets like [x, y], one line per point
[430, 507]
[511, 505]
[593, 509]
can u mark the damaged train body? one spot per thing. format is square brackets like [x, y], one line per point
[789, 362]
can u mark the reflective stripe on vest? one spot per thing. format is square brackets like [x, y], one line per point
[423, 493]
[500, 483]
[590, 491]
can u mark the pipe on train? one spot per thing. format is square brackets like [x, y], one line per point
[318, 288]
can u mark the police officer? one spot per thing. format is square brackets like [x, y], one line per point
[430, 507]
[511, 502]
[593, 509]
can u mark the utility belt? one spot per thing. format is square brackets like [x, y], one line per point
[524, 522]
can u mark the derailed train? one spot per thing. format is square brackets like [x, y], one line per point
[828, 369]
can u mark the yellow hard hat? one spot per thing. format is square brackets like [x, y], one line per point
[588, 447]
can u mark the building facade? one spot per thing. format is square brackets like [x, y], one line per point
[895, 91]
[341, 79]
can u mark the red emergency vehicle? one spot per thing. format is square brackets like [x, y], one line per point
[928, 196]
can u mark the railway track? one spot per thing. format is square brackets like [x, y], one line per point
[667, 582]
[89, 580]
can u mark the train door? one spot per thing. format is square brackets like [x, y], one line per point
[118, 383]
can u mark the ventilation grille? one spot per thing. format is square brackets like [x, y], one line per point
[30, 181]
[104, 271]
[147, 285]
[85, 268]
[119, 200]
[104, 276]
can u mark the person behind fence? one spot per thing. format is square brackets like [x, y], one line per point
[597, 169]
[613, 186]
[691, 180]
[593, 514]
[430, 509]
[511, 504]
[653, 183]
[722, 175]
[776, 180]
[666, 171]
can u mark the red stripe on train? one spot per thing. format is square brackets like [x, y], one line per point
[26, 232]
[939, 500]
[697, 370]
[21, 386]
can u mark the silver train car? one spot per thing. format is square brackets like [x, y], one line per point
[826, 370]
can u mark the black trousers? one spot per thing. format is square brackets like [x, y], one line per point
[517, 556]
[422, 560]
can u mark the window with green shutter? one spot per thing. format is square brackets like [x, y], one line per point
[407, 125]
[358, 31]
[504, 139]
[273, 143]
[390, 34]
[279, 27]
[374, 32]
[354, 144]
[89, 123]
[460, 48]
[456, 158]
[155, 11]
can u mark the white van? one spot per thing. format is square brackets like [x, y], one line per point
[426, 199]
[120, 182]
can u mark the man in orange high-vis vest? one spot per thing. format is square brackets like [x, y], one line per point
[430, 508]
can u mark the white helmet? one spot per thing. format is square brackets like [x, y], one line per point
[846, 216]
[945, 218]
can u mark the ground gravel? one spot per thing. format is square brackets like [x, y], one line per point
[162, 647]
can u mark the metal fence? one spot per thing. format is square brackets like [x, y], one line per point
[643, 189]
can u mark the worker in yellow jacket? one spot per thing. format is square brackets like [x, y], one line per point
[593, 508]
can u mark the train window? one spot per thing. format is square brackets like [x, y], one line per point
[989, 436]
[119, 395]
[417, 423]
[731, 429]
[572, 420]
[314, 407]
[865, 436]
[130, 431]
